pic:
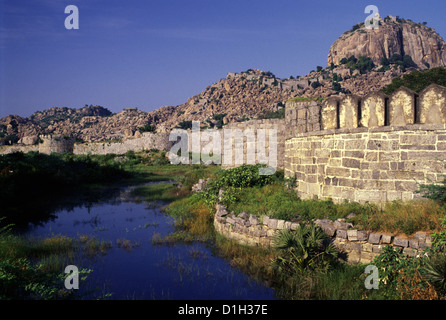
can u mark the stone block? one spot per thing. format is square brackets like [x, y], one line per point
[420, 236]
[352, 235]
[342, 234]
[400, 242]
[272, 223]
[362, 235]
[386, 239]
[342, 225]
[253, 220]
[353, 257]
[244, 215]
[351, 163]
[221, 211]
[414, 244]
[366, 257]
[367, 247]
[270, 233]
[230, 221]
[377, 248]
[294, 226]
[374, 238]
[280, 224]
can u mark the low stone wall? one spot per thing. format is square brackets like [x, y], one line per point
[147, 141]
[18, 148]
[358, 246]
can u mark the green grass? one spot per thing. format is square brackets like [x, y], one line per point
[162, 192]
[277, 201]
[404, 217]
[33, 269]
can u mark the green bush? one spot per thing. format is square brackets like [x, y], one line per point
[279, 114]
[316, 84]
[363, 64]
[435, 272]
[244, 176]
[303, 249]
[36, 175]
[418, 80]
[186, 124]
[435, 192]
[147, 128]
[393, 267]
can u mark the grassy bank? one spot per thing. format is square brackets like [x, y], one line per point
[300, 266]
[33, 269]
[303, 267]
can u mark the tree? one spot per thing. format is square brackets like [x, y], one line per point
[408, 62]
[335, 77]
[385, 62]
[11, 139]
[185, 125]
[147, 128]
[316, 84]
[337, 87]
[319, 68]
[396, 58]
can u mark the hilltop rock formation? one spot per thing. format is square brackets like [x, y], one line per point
[394, 36]
[253, 94]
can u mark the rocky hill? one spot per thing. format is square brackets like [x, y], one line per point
[359, 62]
[394, 36]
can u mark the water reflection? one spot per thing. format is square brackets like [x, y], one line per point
[133, 267]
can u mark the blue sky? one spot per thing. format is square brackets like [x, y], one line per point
[153, 53]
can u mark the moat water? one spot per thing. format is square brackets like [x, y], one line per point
[134, 267]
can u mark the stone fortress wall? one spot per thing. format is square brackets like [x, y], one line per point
[374, 148]
[146, 141]
[377, 148]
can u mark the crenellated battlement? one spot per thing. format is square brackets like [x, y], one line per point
[403, 107]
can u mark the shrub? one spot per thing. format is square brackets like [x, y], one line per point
[244, 176]
[147, 128]
[435, 192]
[393, 268]
[316, 84]
[11, 139]
[303, 249]
[279, 114]
[435, 272]
[418, 80]
[186, 124]
[363, 64]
